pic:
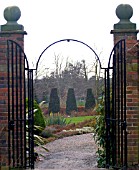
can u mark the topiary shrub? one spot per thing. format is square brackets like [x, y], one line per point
[71, 101]
[90, 100]
[39, 119]
[54, 103]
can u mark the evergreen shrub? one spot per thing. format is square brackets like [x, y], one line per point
[90, 100]
[71, 101]
[39, 119]
[54, 103]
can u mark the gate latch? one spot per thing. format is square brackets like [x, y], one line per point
[123, 125]
[11, 124]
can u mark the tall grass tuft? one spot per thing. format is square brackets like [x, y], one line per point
[56, 119]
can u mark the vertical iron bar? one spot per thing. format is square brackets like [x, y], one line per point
[25, 118]
[31, 119]
[114, 111]
[118, 107]
[16, 100]
[115, 107]
[9, 115]
[32, 165]
[13, 135]
[108, 118]
[125, 131]
[21, 107]
[121, 70]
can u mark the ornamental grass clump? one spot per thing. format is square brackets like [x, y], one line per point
[56, 119]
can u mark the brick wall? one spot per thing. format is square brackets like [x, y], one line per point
[132, 100]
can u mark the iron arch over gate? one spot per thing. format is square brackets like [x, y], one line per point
[68, 40]
[94, 58]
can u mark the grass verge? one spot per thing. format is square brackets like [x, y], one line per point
[78, 119]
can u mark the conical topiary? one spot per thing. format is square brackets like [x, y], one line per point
[90, 99]
[54, 103]
[71, 101]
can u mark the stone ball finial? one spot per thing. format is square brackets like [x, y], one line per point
[12, 14]
[124, 11]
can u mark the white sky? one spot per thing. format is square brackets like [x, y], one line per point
[47, 21]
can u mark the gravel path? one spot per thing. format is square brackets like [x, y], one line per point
[69, 153]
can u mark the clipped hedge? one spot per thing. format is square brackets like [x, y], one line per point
[54, 103]
[71, 101]
[90, 99]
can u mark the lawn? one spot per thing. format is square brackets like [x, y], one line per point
[78, 119]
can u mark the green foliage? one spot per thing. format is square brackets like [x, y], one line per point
[100, 133]
[54, 103]
[56, 120]
[90, 100]
[38, 140]
[39, 119]
[71, 101]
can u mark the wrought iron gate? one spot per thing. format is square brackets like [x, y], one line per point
[115, 108]
[20, 111]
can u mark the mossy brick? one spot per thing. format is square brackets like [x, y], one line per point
[135, 67]
[132, 67]
[5, 167]
[129, 92]
[3, 68]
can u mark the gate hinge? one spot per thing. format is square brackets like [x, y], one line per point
[11, 125]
